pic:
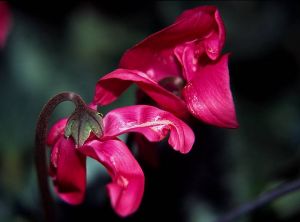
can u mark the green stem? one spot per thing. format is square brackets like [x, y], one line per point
[40, 148]
[261, 200]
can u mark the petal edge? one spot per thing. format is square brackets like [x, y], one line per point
[208, 95]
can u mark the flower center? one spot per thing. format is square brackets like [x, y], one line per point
[173, 84]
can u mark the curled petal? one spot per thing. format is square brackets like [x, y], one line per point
[113, 84]
[154, 55]
[208, 95]
[214, 40]
[187, 55]
[68, 171]
[153, 123]
[127, 186]
[56, 131]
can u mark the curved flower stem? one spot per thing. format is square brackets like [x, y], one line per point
[40, 148]
[261, 200]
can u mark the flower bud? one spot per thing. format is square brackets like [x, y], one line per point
[82, 122]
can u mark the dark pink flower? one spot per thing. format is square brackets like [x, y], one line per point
[181, 68]
[68, 167]
[5, 20]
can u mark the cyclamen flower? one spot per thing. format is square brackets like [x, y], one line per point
[181, 68]
[68, 163]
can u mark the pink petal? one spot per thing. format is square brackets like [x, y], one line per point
[56, 131]
[127, 186]
[5, 22]
[187, 55]
[153, 123]
[214, 41]
[68, 171]
[208, 95]
[113, 84]
[155, 56]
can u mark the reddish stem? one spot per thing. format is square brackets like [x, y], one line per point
[40, 148]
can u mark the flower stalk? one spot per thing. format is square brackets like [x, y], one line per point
[262, 200]
[40, 144]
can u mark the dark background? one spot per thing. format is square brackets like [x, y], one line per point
[54, 47]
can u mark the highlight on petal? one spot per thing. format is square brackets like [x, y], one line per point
[56, 131]
[68, 171]
[113, 84]
[5, 22]
[153, 123]
[127, 186]
[154, 55]
[208, 95]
